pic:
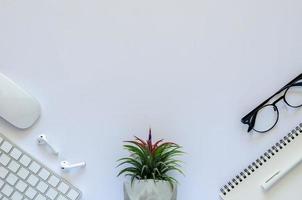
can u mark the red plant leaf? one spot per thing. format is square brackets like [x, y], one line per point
[150, 140]
[142, 141]
[150, 134]
[137, 143]
[165, 143]
[156, 145]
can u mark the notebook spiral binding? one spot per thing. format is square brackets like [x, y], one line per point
[261, 160]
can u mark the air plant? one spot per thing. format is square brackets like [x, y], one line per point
[150, 160]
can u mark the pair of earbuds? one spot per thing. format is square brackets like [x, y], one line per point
[65, 165]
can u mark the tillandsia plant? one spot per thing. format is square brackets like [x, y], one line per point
[150, 160]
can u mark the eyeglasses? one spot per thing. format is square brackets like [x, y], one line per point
[265, 117]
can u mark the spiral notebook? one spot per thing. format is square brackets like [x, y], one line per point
[247, 184]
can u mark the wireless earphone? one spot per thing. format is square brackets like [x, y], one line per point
[65, 165]
[42, 139]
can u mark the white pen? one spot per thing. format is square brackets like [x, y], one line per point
[278, 175]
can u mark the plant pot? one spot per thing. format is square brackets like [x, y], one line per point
[149, 190]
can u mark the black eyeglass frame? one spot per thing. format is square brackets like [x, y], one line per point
[250, 118]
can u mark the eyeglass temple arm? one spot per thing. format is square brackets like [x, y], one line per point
[248, 119]
[297, 84]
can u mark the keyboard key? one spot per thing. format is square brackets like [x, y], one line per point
[23, 173]
[4, 159]
[40, 197]
[1, 184]
[32, 180]
[11, 179]
[44, 174]
[25, 160]
[54, 181]
[63, 187]
[17, 196]
[3, 172]
[13, 166]
[42, 187]
[1, 139]
[51, 193]
[7, 190]
[16, 153]
[6, 146]
[21, 186]
[34, 167]
[61, 198]
[30, 192]
[72, 194]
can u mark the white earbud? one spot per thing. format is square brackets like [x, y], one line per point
[42, 139]
[65, 165]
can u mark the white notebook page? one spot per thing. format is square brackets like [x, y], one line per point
[288, 188]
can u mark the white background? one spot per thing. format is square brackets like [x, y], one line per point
[105, 71]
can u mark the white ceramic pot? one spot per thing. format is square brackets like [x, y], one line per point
[149, 190]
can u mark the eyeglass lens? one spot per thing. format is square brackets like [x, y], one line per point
[266, 118]
[293, 96]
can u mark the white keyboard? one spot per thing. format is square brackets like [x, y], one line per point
[24, 178]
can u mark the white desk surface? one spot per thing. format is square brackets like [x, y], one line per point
[107, 70]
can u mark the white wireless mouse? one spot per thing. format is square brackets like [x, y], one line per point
[17, 106]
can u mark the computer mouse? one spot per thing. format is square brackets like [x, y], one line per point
[17, 106]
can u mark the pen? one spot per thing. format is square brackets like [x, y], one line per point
[278, 175]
